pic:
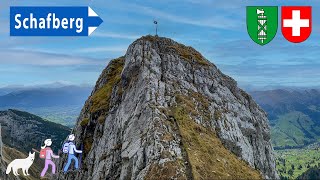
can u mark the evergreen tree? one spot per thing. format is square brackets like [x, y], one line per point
[290, 172]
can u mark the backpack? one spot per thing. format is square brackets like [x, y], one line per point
[43, 153]
[65, 148]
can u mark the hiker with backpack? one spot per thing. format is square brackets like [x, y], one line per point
[70, 149]
[47, 153]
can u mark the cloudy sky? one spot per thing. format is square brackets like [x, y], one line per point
[217, 28]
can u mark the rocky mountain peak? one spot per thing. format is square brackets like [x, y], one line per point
[164, 111]
[169, 46]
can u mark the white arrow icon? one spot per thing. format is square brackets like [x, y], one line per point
[91, 13]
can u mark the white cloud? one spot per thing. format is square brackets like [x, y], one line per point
[115, 35]
[19, 57]
[121, 49]
[215, 21]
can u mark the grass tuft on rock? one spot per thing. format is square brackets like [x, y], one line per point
[84, 121]
[189, 54]
[101, 98]
[101, 119]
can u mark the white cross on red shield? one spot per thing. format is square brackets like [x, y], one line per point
[296, 23]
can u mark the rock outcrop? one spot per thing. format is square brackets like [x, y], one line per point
[163, 111]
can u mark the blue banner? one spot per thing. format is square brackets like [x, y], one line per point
[53, 21]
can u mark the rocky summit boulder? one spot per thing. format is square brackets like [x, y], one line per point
[163, 111]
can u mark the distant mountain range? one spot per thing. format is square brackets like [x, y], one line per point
[294, 116]
[46, 97]
[58, 104]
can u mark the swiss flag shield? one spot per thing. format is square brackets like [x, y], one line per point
[296, 23]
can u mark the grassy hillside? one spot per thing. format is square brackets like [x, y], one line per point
[10, 154]
[294, 116]
[293, 129]
[208, 157]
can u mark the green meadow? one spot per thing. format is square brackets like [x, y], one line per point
[293, 162]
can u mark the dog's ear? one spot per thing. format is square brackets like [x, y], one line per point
[29, 153]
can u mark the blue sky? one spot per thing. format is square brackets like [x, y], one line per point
[217, 28]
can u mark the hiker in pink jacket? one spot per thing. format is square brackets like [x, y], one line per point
[49, 155]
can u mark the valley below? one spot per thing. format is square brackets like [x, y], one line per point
[294, 118]
[57, 104]
[64, 115]
[291, 163]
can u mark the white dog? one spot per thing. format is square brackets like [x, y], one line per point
[23, 164]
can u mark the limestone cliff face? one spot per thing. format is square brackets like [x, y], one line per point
[163, 111]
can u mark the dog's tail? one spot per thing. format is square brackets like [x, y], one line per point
[9, 168]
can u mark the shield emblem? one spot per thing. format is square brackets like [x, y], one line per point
[296, 23]
[262, 23]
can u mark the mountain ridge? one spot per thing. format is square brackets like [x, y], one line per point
[57, 104]
[25, 131]
[39, 97]
[163, 107]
